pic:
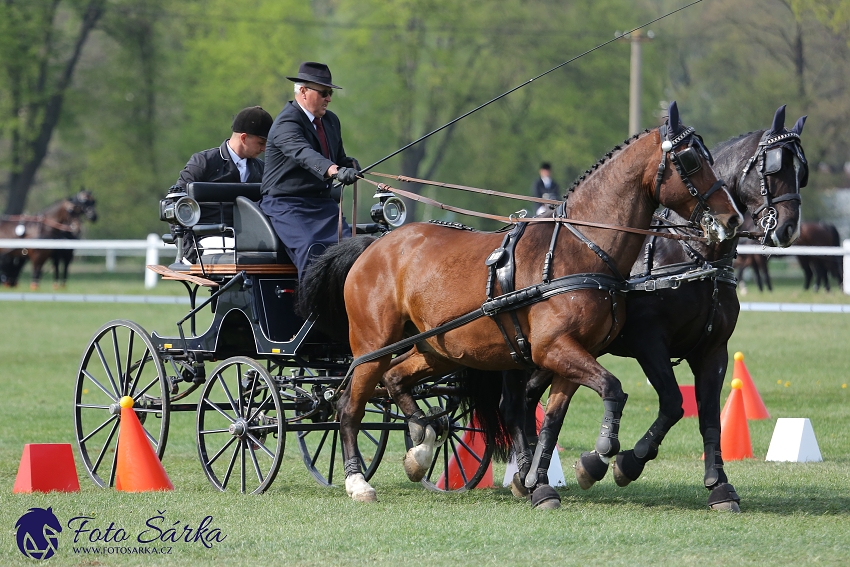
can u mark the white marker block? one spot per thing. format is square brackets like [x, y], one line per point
[793, 440]
[556, 471]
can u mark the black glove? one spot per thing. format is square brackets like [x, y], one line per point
[350, 162]
[347, 175]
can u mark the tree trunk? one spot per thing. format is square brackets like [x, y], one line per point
[42, 116]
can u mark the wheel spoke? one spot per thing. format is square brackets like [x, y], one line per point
[260, 444]
[219, 410]
[319, 448]
[460, 467]
[96, 464]
[100, 386]
[260, 407]
[98, 428]
[125, 376]
[220, 380]
[254, 376]
[256, 464]
[150, 385]
[221, 451]
[115, 348]
[230, 465]
[116, 392]
[132, 387]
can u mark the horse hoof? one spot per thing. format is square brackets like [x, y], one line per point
[726, 507]
[518, 489]
[359, 490]
[621, 479]
[590, 468]
[545, 497]
[416, 462]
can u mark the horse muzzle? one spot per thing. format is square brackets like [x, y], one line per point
[720, 227]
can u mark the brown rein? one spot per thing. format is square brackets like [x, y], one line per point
[512, 219]
[40, 219]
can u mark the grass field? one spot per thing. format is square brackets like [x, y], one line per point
[791, 513]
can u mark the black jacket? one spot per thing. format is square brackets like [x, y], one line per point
[216, 166]
[295, 165]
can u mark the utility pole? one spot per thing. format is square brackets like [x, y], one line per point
[636, 38]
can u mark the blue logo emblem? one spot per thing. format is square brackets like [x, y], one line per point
[38, 533]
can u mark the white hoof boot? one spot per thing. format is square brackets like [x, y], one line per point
[418, 459]
[359, 490]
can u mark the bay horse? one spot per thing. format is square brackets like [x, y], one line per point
[60, 220]
[820, 234]
[421, 276]
[693, 321]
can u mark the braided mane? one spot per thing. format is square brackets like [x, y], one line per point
[603, 159]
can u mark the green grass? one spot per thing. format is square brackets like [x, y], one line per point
[791, 513]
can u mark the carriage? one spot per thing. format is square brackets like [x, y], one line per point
[258, 372]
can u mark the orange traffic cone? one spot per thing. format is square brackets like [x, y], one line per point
[734, 431]
[138, 468]
[753, 403]
[468, 462]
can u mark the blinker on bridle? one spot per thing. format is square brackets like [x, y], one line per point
[768, 161]
[687, 162]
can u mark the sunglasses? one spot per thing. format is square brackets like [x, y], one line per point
[326, 93]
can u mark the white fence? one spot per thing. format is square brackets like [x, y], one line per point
[154, 245]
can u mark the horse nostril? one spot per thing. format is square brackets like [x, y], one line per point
[734, 221]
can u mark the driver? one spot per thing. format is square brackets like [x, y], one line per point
[303, 157]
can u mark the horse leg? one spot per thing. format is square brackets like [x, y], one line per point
[757, 273]
[766, 273]
[352, 408]
[55, 260]
[513, 409]
[38, 259]
[399, 380]
[655, 363]
[807, 271]
[570, 362]
[709, 371]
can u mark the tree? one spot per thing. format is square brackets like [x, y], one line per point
[41, 46]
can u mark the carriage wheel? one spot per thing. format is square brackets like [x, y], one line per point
[240, 426]
[120, 360]
[465, 454]
[321, 448]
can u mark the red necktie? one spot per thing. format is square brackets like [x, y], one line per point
[320, 130]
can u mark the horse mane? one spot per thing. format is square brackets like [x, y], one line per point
[603, 159]
[734, 140]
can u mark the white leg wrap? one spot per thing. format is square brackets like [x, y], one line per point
[359, 490]
[418, 459]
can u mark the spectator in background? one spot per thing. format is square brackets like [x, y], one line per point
[545, 187]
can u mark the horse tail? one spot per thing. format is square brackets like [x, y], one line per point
[483, 390]
[320, 291]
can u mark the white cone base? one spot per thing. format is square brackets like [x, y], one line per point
[793, 440]
[556, 471]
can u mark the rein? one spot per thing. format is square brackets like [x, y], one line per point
[515, 219]
[40, 219]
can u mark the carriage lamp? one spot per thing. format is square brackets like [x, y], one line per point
[390, 211]
[179, 208]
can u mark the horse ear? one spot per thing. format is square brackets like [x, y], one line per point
[778, 120]
[673, 118]
[798, 127]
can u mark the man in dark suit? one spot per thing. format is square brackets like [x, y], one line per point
[235, 161]
[303, 156]
[544, 187]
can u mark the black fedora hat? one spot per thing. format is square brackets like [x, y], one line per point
[312, 72]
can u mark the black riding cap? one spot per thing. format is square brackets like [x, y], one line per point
[312, 72]
[253, 120]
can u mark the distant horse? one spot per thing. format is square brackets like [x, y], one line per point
[60, 220]
[693, 321]
[820, 234]
[758, 262]
[422, 276]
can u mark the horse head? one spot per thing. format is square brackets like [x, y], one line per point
[690, 187]
[771, 180]
[83, 204]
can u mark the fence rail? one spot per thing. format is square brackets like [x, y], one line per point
[153, 245]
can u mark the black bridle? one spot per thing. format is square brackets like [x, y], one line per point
[768, 161]
[687, 162]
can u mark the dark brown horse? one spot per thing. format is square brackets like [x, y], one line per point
[421, 276]
[61, 220]
[820, 234]
[693, 321]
